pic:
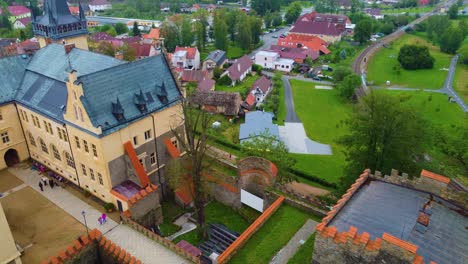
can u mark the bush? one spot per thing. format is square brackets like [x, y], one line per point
[313, 178]
[257, 68]
[109, 207]
[225, 80]
[413, 57]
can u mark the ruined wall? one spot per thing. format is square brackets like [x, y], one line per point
[256, 174]
[145, 207]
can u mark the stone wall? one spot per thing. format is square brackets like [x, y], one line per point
[427, 182]
[145, 207]
[92, 249]
[256, 174]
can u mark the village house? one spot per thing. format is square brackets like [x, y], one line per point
[17, 12]
[99, 5]
[328, 27]
[225, 103]
[85, 116]
[186, 58]
[261, 88]
[206, 85]
[215, 59]
[22, 22]
[273, 61]
[374, 12]
[144, 50]
[194, 76]
[239, 69]
[312, 43]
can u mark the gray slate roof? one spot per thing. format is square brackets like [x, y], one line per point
[56, 12]
[256, 123]
[380, 207]
[11, 73]
[218, 56]
[150, 76]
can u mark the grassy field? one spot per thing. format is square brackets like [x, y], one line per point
[217, 213]
[380, 68]
[234, 52]
[272, 236]
[460, 82]
[170, 211]
[242, 88]
[305, 252]
[423, 9]
[322, 112]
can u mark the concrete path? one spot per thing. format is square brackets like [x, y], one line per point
[295, 138]
[184, 222]
[298, 77]
[12, 190]
[448, 85]
[293, 245]
[140, 246]
[396, 88]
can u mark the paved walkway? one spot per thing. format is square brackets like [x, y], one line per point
[291, 116]
[295, 138]
[299, 78]
[140, 246]
[448, 85]
[12, 190]
[293, 245]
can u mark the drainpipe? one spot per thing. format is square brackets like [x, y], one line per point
[73, 156]
[157, 157]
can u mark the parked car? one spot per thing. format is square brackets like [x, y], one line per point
[316, 78]
[274, 36]
[282, 36]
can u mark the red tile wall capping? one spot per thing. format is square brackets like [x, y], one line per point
[142, 193]
[244, 237]
[435, 176]
[175, 153]
[226, 186]
[140, 171]
[95, 235]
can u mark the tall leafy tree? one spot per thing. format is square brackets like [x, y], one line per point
[453, 11]
[385, 133]
[136, 31]
[232, 19]
[348, 85]
[220, 31]
[451, 40]
[413, 57]
[121, 28]
[262, 6]
[293, 12]
[244, 35]
[436, 26]
[255, 24]
[363, 30]
[186, 32]
[170, 33]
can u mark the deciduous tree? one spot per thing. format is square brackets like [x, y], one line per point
[363, 31]
[413, 57]
[348, 85]
[293, 12]
[451, 40]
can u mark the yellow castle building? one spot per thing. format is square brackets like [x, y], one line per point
[101, 123]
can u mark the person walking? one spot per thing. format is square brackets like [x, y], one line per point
[100, 220]
[51, 183]
[40, 186]
[104, 218]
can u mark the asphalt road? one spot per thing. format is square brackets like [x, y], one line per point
[448, 88]
[291, 116]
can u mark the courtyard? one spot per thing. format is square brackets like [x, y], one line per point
[38, 225]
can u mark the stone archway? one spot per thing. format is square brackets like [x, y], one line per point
[11, 157]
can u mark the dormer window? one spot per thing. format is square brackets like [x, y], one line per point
[162, 93]
[140, 102]
[118, 111]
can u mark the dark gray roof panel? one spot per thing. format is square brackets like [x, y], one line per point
[380, 207]
[11, 74]
[58, 12]
[124, 81]
[53, 62]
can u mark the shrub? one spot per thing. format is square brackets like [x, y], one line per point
[225, 80]
[413, 57]
[109, 206]
[257, 68]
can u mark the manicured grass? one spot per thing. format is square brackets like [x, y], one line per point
[423, 9]
[281, 115]
[217, 213]
[323, 113]
[380, 67]
[228, 130]
[305, 252]
[235, 52]
[272, 236]
[460, 82]
[242, 88]
[170, 211]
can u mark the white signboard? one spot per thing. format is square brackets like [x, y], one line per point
[252, 200]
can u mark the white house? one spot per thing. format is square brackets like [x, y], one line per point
[272, 60]
[239, 69]
[22, 22]
[186, 57]
[374, 12]
[99, 5]
[261, 88]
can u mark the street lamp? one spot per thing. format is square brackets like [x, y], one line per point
[84, 217]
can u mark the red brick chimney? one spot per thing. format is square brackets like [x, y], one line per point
[68, 47]
[119, 55]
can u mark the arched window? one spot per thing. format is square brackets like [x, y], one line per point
[56, 152]
[81, 114]
[31, 139]
[76, 112]
[43, 145]
[70, 161]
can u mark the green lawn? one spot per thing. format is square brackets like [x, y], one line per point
[217, 213]
[234, 52]
[272, 236]
[322, 112]
[242, 88]
[228, 131]
[170, 211]
[423, 9]
[460, 82]
[380, 68]
[305, 252]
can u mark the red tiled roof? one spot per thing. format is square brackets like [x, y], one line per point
[142, 50]
[140, 171]
[99, 2]
[196, 6]
[311, 42]
[102, 36]
[191, 52]
[239, 67]
[434, 176]
[74, 10]
[264, 84]
[153, 34]
[193, 75]
[25, 20]
[320, 24]
[131, 39]
[250, 100]
[206, 85]
[17, 10]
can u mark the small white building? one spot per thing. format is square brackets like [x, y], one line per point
[99, 5]
[272, 60]
[186, 57]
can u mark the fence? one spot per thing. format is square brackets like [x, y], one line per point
[161, 240]
[244, 237]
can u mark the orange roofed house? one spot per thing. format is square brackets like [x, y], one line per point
[394, 219]
[186, 58]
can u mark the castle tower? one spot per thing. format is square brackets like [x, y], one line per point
[58, 25]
